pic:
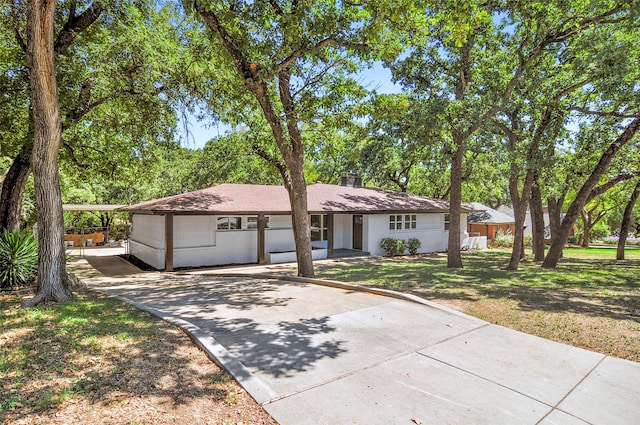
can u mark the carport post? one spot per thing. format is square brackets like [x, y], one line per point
[262, 221]
[329, 235]
[168, 242]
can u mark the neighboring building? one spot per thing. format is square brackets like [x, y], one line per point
[489, 222]
[241, 224]
[528, 225]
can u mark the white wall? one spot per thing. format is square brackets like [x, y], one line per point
[474, 242]
[232, 247]
[279, 240]
[279, 236]
[152, 256]
[193, 231]
[148, 230]
[429, 230]
[375, 227]
[147, 239]
[198, 243]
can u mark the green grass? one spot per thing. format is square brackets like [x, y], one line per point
[103, 356]
[43, 347]
[590, 300]
[582, 268]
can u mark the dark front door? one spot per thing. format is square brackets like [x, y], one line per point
[357, 232]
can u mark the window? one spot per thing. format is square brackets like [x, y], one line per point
[319, 231]
[252, 222]
[395, 222]
[229, 223]
[400, 222]
[409, 221]
[446, 222]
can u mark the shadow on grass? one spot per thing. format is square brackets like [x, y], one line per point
[93, 348]
[597, 287]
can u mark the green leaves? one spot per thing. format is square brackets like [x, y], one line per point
[18, 259]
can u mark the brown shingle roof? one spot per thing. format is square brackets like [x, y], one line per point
[252, 199]
[333, 198]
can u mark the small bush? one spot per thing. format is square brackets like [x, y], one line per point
[388, 245]
[18, 259]
[392, 246]
[401, 246]
[413, 245]
[503, 239]
[574, 239]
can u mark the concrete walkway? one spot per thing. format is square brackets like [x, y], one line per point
[313, 354]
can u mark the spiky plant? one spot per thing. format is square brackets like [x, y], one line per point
[18, 259]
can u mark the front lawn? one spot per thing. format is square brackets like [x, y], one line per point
[101, 361]
[590, 300]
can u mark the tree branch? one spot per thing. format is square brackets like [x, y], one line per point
[274, 4]
[599, 190]
[525, 62]
[614, 114]
[76, 24]
[314, 80]
[293, 57]
[73, 156]
[273, 160]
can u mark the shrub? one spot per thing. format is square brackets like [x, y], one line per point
[401, 246]
[503, 239]
[18, 259]
[388, 245]
[574, 239]
[413, 245]
[392, 246]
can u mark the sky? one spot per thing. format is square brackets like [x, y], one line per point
[378, 77]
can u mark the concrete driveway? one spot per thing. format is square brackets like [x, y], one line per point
[320, 355]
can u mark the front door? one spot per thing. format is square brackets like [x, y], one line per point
[357, 232]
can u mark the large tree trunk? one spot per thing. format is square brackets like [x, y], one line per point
[626, 220]
[454, 257]
[300, 217]
[53, 283]
[586, 227]
[555, 251]
[537, 221]
[13, 186]
[520, 212]
[293, 154]
[555, 214]
[520, 202]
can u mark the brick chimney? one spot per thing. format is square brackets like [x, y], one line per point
[351, 180]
